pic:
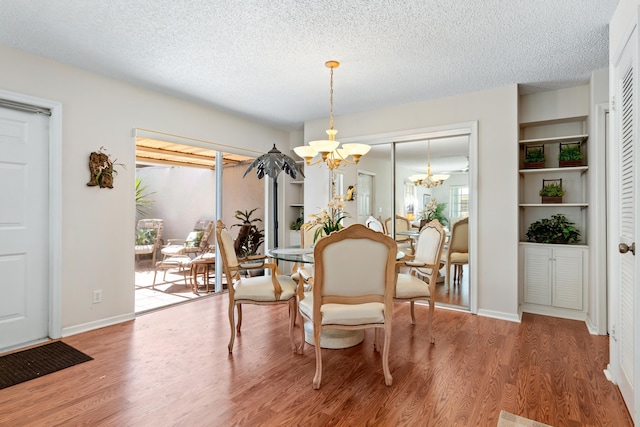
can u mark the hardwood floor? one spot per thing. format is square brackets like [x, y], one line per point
[172, 368]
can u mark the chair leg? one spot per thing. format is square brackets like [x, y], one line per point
[155, 272]
[413, 315]
[432, 307]
[302, 341]
[239, 318]
[388, 379]
[233, 327]
[293, 308]
[317, 379]
[376, 339]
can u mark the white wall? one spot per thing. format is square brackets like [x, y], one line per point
[97, 246]
[497, 230]
[181, 196]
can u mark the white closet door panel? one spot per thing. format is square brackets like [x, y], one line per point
[537, 276]
[567, 289]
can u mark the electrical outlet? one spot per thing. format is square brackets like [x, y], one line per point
[97, 296]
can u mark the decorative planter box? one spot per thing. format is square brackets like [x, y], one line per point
[546, 199]
[574, 154]
[534, 165]
[553, 190]
[570, 163]
[535, 156]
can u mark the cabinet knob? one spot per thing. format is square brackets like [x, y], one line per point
[623, 248]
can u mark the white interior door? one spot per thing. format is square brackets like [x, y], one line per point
[624, 294]
[24, 229]
[364, 190]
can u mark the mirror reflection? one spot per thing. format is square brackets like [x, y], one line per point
[431, 181]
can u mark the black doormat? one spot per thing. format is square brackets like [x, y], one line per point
[16, 368]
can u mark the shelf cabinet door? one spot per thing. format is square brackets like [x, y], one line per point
[568, 280]
[554, 276]
[537, 275]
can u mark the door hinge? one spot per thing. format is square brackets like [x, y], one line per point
[613, 103]
[612, 332]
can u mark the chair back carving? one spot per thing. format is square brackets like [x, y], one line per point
[353, 266]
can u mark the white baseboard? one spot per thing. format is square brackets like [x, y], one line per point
[511, 317]
[85, 327]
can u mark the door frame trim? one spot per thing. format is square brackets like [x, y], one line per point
[55, 204]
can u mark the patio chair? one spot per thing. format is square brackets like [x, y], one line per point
[354, 282]
[261, 290]
[420, 282]
[148, 238]
[196, 242]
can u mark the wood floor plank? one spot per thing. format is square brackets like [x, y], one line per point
[172, 367]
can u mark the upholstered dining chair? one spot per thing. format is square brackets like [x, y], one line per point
[261, 290]
[374, 224]
[354, 281]
[457, 253]
[402, 224]
[420, 282]
[196, 242]
[148, 238]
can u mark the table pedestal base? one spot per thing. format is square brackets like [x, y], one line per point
[334, 338]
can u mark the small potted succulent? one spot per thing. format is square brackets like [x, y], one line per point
[551, 191]
[534, 157]
[570, 155]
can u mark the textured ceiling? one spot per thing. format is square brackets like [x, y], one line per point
[264, 59]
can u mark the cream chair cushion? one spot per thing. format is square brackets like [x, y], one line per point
[459, 258]
[260, 288]
[410, 286]
[344, 314]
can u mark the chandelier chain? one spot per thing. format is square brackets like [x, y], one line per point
[331, 101]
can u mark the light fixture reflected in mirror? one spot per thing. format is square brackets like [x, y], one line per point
[428, 180]
[331, 154]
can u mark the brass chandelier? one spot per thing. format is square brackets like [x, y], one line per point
[428, 180]
[331, 155]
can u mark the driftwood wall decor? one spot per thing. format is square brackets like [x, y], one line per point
[101, 169]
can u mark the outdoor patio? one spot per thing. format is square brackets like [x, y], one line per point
[169, 290]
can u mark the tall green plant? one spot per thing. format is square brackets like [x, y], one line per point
[143, 201]
[250, 240]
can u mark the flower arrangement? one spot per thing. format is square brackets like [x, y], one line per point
[434, 210]
[330, 218]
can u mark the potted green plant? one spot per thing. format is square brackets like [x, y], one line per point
[250, 237]
[433, 210]
[534, 157]
[570, 155]
[552, 191]
[248, 242]
[557, 229]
